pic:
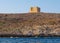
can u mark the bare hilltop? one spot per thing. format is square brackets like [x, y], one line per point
[30, 24]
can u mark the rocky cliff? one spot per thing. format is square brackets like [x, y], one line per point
[30, 24]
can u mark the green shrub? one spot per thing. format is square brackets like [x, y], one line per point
[2, 23]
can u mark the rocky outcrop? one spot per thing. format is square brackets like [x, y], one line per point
[30, 24]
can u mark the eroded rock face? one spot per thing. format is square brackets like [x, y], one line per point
[33, 30]
[44, 29]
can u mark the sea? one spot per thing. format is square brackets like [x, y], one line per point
[30, 40]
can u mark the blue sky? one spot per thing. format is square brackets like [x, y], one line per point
[23, 6]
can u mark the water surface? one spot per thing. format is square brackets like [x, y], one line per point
[31, 40]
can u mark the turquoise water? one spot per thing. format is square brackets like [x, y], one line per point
[31, 40]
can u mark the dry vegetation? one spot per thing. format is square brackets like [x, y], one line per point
[30, 23]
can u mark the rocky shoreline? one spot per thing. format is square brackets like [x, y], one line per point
[44, 31]
[14, 35]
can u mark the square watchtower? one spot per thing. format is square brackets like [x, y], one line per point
[34, 10]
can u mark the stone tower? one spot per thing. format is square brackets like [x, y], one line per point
[34, 10]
